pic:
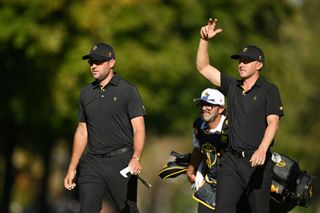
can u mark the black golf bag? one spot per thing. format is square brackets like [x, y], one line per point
[290, 186]
[206, 194]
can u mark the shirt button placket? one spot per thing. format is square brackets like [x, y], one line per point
[102, 95]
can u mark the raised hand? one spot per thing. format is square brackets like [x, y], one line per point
[209, 31]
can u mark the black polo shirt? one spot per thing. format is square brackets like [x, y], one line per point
[247, 112]
[107, 112]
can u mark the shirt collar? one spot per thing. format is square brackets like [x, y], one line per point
[261, 80]
[259, 83]
[114, 81]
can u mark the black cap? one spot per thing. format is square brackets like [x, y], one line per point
[250, 52]
[100, 51]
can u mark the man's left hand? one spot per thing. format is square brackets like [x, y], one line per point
[135, 166]
[258, 158]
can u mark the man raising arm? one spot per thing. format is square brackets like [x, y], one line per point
[211, 73]
[254, 110]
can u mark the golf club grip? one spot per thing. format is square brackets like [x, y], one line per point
[148, 185]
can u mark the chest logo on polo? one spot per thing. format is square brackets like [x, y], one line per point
[255, 98]
[115, 99]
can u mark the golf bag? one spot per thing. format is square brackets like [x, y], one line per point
[290, 186]
[206, 194]
[176, 167]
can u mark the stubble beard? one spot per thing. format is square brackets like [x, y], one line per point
[100, 76]
[207, 117]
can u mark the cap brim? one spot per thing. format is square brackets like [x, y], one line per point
[85, 57]
[235, 56]
[242, 56]
[199, 100]
[245, 57]
[95, 57]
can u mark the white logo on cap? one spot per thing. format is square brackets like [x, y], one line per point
[213, 96]
[94, 47]
[245, 49]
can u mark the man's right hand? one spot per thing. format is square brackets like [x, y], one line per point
[209, 31]
[68, 180]
[191, 178]
[190, 174]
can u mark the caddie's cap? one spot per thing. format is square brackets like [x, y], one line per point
[250, 52]
[100, 51]
[211, 96]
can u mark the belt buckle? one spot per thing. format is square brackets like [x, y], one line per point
[243, 154]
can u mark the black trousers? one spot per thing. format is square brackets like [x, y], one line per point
[100, 178]
[236, 176]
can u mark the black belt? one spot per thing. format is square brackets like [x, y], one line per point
[241, 153]
[113, 153]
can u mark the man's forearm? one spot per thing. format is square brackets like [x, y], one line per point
[269, 134]
[196, 158]
[193, 165]
[202, 55]
[138, 144]
[79, 145]
[139, 135]
[77, 151]
[208, 71]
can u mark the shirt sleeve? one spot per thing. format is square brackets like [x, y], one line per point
[226, 82]
[274, 104]
[135, 107]
[81, 113]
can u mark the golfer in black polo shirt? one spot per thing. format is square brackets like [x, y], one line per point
[254, 110]
[111, 128]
